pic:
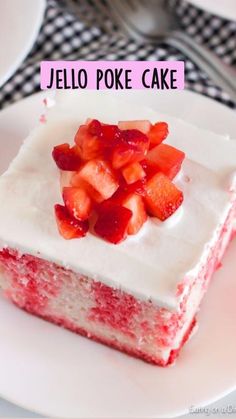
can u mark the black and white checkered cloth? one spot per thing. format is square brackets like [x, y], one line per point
[64, 36]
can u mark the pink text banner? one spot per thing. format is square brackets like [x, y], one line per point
[117, 75]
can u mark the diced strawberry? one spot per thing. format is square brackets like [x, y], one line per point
[96, 140]
[90, 145]
[78, 182]
[142, 125]
[68, 226]
[78, 202]
[74, 179]
[65, 178]
[66, 157]
[100, 176]
[121, 156]
[119, 172]
[158, 133]
[132, 147]
[150, 168]
[107, 132]
[133, 172]
[163, 197]
[110, 135]
[167, 158]
[81, 135]
[112, 223]
[110, 138]
[124, 191]
[135, 204]
[136, 139]
[92, 148]
[95, 127]
[130, 200]
[138, 187]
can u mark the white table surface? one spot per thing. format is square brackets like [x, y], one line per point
[9, 410]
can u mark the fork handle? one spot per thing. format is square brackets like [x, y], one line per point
[223, 75]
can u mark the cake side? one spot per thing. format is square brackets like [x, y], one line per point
[108, 315]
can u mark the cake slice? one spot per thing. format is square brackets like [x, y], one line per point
[142, 294]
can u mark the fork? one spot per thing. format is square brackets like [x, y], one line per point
[151, 22]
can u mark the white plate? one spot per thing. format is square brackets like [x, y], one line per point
[225, 8]
[57, 373]
[20, 21]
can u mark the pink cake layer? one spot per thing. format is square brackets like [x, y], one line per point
[107, 315]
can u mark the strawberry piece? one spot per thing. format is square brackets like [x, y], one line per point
[66, 157]
[135, 204]
[123, 192]
[96, 140]
[158, 133]
[92, 148]
[132, 147]
[100, 176]
[121, 156]
[74, 179]
[78, 182]
[150, 168]
[163, 198]
[136, 140]
[121, 172]
[68, 226]
[128, 200]
[133, 172]
[65, 178]
[78, 202]
[110, 134]
[90, 145]
[112, 223]
[95, 127]
[138, 187]
[167, 158]
[110, 138]
[142, 125]
[81, 135]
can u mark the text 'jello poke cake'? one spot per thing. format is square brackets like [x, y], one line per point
[113, 219]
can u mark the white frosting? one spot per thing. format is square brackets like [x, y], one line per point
[149, 265]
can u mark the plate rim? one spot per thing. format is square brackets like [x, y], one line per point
[214, 11]
[39, 7]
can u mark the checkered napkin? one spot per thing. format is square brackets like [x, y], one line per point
[64, 36]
